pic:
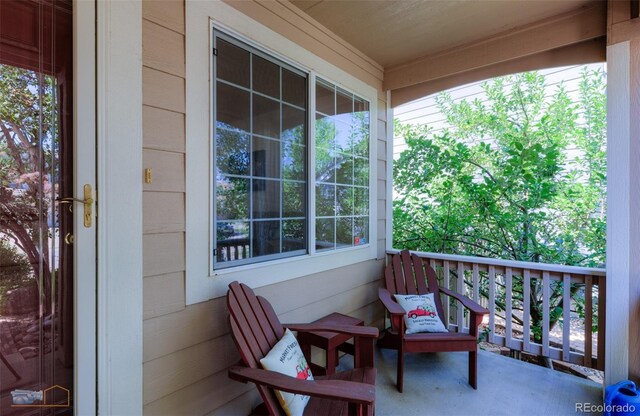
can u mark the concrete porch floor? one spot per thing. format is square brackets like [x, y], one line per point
[436, 384]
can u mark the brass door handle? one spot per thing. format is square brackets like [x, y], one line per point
[87, 202]
[72, 200]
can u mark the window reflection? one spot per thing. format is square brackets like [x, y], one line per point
[266, 238]
[266, 158]
[325, 200]
[325, 234]
[325, 98]
[293, 199]
[344, 200]
[260, 166]
[266, 116]
[266, 77]
[232, 198]
[232, 240]
[232, 151]
[232, 63]
[266, 199]
[342, 167]
[294, 161]
[294, 125]
[233, 107]
[294, 88]
[293, 235]
[344, 232]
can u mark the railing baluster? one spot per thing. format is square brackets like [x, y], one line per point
[460, 289]
[492, 303]
[526, 314]
[602, 307]
[566, 317]
[476, 283]
[508, 306]
[588, 321]
[545, 314]
[446, 283]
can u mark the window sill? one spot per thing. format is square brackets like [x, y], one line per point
[276, 271]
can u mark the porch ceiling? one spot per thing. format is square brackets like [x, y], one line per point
[394, 32]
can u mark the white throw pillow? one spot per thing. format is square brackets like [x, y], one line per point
[421, 313]
[287, 358]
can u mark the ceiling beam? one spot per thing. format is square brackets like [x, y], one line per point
[581, 53]
[624, 23]
[563, 30]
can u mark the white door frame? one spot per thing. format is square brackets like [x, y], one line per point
[119, 206]
[107, 56]
[84, 172]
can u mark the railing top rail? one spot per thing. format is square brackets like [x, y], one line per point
[558, 268]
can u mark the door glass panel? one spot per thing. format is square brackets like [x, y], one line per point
[36, 276]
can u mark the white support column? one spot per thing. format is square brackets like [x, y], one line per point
[622, 204]
[119, 198]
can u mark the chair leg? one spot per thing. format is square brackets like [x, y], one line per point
[400, 369]
[473, 369]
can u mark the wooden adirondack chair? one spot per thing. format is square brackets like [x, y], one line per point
[405, 275]
[256, 329]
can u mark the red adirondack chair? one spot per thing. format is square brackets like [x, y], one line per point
[405, 275]
[256, 329]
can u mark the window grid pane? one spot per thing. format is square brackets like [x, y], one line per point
[259, 155]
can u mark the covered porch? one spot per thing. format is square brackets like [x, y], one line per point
[181, 333]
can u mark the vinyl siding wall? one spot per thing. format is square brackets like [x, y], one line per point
[187, 349]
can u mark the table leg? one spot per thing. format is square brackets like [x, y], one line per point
[332, 360]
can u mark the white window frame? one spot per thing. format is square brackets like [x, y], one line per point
[202, 282]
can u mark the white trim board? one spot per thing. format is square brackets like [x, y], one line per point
[622, 203]
[84, 170]
[389, 173]
[119, 207]
[200, 286]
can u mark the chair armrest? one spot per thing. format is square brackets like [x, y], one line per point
[466, 302]
[392, 306]
[353, 330]
[348, 391]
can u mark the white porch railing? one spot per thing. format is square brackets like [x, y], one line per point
[513, 289]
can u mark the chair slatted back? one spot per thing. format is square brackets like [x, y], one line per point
[405, 275]
[255, 329]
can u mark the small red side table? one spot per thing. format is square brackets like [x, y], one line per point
[329, 341]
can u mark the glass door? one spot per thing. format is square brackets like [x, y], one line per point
[36, 212]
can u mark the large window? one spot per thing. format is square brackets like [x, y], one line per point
[260, 152]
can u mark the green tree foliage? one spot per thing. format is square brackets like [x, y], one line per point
[520, 176]
[28, 157]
